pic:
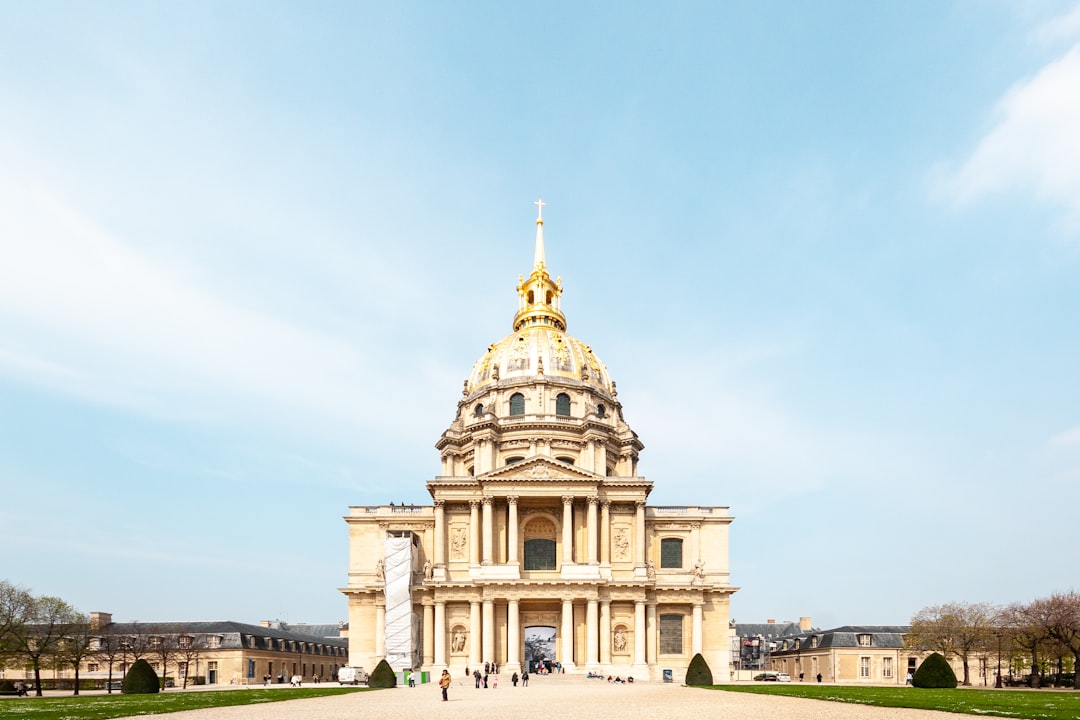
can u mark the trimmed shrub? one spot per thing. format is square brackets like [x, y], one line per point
[140, 679]
[698, 673]
[7, 687]
[934, 672]
[382, 676]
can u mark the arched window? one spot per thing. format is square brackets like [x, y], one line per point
[562, 405]
[601, 411]
[517, 404]
[565, 459]
[671, 553]
[539, 546]
[515, 459]
[478, 410]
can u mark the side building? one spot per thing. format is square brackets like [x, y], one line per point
[539, 549]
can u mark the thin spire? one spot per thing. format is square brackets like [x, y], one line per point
[538, 255]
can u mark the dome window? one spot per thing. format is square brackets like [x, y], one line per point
[601, 411]
[565, 459]
[515, 459]
[562, 405]
[479, 410]
[517, 404]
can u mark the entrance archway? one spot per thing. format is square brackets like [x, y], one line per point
[539, 648]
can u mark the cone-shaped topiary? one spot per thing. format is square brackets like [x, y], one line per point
[934, 672]
[140, 679]
[698, 673]
[382, 676]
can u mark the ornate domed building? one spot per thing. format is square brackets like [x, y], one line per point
[540, 549]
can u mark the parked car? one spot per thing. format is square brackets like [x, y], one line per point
[768, 677]
[783, 677]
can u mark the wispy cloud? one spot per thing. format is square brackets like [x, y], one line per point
[1032, 146]
[1066, 439]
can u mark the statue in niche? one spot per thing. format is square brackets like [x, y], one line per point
[458, 541]
[699, 572]
[457, 644]
[380, 570]
[650, 570]
[618, 641]
[427, 569]
[621, 542]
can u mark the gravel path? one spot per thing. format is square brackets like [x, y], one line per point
[558, 698]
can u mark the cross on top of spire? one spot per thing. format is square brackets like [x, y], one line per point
[540, 209]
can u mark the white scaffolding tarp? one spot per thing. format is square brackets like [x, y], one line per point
[402, 627]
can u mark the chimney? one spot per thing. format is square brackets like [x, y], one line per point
[99, 620]
[806, 624]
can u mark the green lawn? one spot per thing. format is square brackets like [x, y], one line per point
[1033, 704]
[100, 707]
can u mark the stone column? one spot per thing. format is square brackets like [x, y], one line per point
[605, 532]
[590, 455]
[488, 531]
[567, 634]
[513, 637]
[474, 532]
[590, 528]
[380, 630]
[440, 634]
[695, 634]
[568, 529]
[592, 634]
[440, 533]
[650, 633]
[605, 632]
[639, 531]
[429, 635]
[512, 530]
[475, 634]
[639, 633]
[489, 631]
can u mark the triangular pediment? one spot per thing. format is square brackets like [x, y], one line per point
[539, 469]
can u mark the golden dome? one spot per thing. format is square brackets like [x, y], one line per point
[539, 345]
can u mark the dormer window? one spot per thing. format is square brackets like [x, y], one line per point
[517, 404]
[864, 640]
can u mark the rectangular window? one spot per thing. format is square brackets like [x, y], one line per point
[671, 553]
[864, 667]
[671, 631]
[213, 641]
[886, 667]
[181, 669]
[864, 640]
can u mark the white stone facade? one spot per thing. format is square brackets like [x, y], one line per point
[540, 546]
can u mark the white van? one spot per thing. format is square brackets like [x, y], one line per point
[352, 676]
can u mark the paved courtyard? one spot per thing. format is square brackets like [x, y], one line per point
[560, 698]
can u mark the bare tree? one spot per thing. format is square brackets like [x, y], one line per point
[77, 645]
[38, 641]
[1059, 617]
[163, 647]
[954, 630]
[15, 608]
[1025, 632]
[188, 650]
[109, 647]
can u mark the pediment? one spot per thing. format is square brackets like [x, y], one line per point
[539, 469]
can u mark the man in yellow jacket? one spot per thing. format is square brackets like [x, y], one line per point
[444, 683]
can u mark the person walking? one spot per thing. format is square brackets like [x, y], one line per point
[524, 678]
[514, 679]
[444, 683]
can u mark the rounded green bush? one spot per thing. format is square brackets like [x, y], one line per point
[698, 673]
[140, 680]
[7, 687]
[934, 672]
[382, 676]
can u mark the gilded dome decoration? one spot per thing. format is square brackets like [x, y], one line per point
[539, 344]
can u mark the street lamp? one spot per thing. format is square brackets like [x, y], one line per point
[997, 681]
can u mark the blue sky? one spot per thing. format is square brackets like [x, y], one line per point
[830, 253]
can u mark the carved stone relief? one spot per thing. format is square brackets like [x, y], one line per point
[620, 542]
[459, 541]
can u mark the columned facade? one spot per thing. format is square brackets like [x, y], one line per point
[540, 546]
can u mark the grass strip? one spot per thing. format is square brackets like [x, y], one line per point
[1029, 704]
[102, 707]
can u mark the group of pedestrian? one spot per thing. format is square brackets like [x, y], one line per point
[482, 680]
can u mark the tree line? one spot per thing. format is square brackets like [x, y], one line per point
[41, 632]
[1044, 632]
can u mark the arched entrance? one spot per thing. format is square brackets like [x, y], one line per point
[539, 648]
